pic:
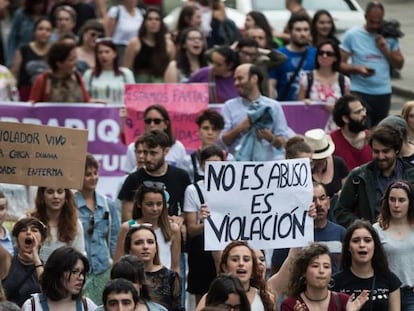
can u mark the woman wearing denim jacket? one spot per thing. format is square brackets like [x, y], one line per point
[100, 219]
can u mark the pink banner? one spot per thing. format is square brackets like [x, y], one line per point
[182, 101]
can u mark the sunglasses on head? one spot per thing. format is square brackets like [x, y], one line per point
[155, 121]
[154, 184]
[327, 53]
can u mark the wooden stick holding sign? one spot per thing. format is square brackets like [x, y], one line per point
[264, 203]
[42, 155]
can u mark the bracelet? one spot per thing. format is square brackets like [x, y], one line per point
[41, 265]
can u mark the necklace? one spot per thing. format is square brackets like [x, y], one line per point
[248, 290]
[316, 300]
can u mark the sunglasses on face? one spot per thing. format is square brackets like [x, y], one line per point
[155, 121]
[326, 53]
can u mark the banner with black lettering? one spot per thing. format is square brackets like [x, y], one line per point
[263, 203]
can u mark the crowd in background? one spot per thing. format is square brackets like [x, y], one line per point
[150, 241]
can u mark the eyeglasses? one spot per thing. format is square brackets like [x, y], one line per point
[326, 53]
[77, 272]
[154, 184]
[91, 225]
[155, 121]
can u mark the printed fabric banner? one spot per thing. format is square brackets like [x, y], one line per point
[182, 101]
[263, 203]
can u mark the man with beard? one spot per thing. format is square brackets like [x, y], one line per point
[300, 59]
[351, 139]
[239, 121]
[365, 186]
[325, 231]
[156, 145]
[371, 56]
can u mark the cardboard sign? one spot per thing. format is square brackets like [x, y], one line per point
[42, 155]
[263, 203]
[182, 101]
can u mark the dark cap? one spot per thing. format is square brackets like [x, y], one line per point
[27, 222]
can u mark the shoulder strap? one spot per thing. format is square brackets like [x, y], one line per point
[293, 77]
[84, 303]
[107, 210]
[341, 81]
[200, 194]
[118, 12]
[337, 301]
[32, 303]
[310, 83]
[194, 157]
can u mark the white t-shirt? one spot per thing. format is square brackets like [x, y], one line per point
[126, 25]
[108, 86]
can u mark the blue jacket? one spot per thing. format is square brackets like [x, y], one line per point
[251, 148]
[106, 223]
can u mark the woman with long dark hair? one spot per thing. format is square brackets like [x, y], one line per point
[365, 266]
[62, 281]
[22, 25]
[190, 56]
[323, 27]
[105, 82]
[395, 228]
[148, 54]
[30, 59]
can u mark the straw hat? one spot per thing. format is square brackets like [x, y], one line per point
[321, 143]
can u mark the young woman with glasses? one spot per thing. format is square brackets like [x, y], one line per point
[62, 281]
[56, 208]
[164, 283]
[100, 219]
[150, 209]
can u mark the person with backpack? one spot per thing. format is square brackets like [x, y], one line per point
[325, 83]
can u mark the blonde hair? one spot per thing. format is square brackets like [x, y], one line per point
[406, 109]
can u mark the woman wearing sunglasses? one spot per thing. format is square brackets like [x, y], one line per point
[150, 209]
[156, 117]
[164, 283]
[62, 282]
[325, 83]
[56, 208]
[100, 219]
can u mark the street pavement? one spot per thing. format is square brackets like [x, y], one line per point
[403, 11]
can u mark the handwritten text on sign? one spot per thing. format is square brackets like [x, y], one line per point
[182, 101]
[264, 203]
[42, 155]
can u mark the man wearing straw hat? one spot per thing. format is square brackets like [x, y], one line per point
[363, 190]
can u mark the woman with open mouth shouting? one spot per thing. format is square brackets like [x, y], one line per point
[364, 266]
[20, 273]
[62, 283]
[239, 259]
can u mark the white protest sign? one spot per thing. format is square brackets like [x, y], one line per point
[263, 203]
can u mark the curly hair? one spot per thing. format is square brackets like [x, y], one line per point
[384, 216]
[297, 280]
[379, 261]
[68, 217]
[387, 136]
[256, 279]
[341, 108]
